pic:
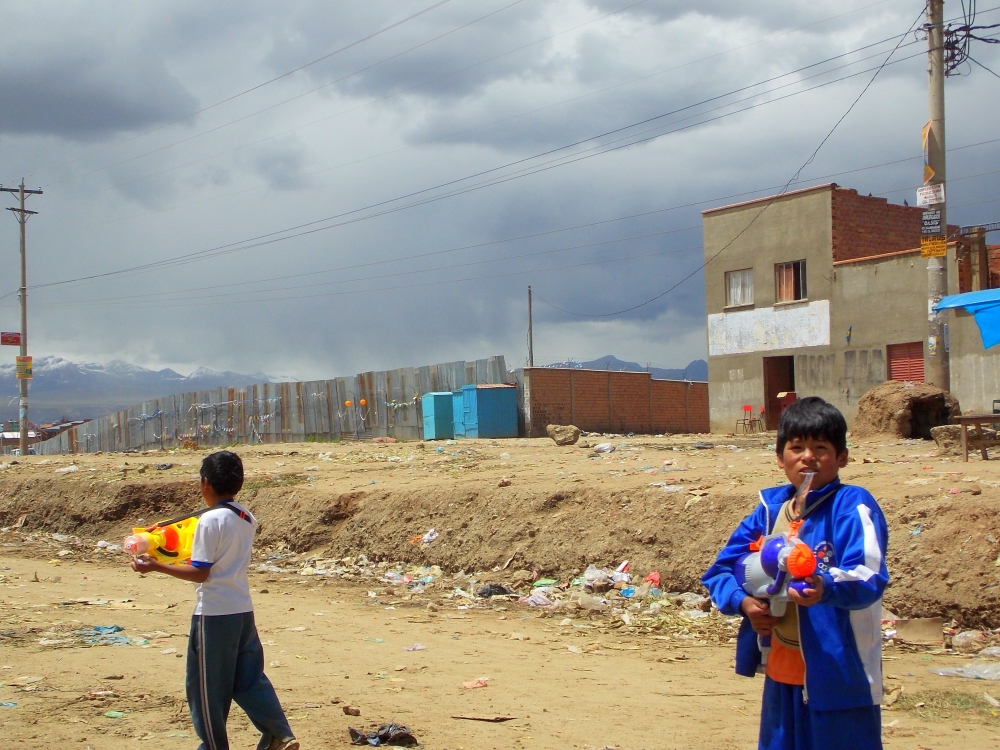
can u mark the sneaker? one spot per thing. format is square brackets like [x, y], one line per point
[276, 744]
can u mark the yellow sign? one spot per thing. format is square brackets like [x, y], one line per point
[933, 247]
[22, 368]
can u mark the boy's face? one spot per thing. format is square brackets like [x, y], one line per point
[809, 454]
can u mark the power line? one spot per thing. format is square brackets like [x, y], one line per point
[469, 67]
[767, 205]
[983, 67]
[305, 93]
[256, 87]
[270, 237]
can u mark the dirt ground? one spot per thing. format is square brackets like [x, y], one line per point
[336, 618]
[565, 685]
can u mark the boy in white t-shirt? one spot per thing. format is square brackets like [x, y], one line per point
[225, 659]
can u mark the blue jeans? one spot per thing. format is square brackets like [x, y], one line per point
[787, 723]
[225, 663]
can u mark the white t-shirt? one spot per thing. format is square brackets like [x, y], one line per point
[222, 542]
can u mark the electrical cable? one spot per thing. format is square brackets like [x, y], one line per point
[252, 88]
[245, 244]
[991, 72]
[764, 208]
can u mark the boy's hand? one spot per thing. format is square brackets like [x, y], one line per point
[143, 564]
[809, 596]
[759, 612]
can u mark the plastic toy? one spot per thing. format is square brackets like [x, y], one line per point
[168, 542]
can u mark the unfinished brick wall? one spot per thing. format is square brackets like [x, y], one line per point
[864, 225]
[994, 253]
[620, 402]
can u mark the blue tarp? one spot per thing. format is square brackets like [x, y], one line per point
[984, 306]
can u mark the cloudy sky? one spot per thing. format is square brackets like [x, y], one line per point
[314, 188]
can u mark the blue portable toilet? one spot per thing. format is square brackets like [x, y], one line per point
[487, 411]
[438, 420]
[458, 414]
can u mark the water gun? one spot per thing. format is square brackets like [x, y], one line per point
[775, 564]
[168, 542]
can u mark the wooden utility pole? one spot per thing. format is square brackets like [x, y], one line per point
[531, 340]
[936, 369]
[22, 214]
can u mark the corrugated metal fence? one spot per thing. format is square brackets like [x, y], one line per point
[281, 412]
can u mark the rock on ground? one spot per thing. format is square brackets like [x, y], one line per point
[949, 438]
[563, 434]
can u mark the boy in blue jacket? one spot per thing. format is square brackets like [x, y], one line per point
[823, 673]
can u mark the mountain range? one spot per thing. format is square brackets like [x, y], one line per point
[696, 370]
[63, 390]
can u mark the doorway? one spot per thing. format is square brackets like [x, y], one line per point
[779, 377]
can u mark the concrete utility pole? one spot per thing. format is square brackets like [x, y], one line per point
[22, 215]
[531, 339]
[936, 369]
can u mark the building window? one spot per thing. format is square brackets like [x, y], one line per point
[790, 281]
[739, 287]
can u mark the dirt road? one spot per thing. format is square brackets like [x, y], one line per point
[567, 682]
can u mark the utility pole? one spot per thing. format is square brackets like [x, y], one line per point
[22, 214]
[936, 368]
[531, 340]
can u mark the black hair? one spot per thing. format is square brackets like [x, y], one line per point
[224, 472]
[812, 417]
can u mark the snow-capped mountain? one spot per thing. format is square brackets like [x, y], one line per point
[62, 389]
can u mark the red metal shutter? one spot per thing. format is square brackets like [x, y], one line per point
[906, 361]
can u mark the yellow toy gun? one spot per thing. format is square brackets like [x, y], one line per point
[168, 542]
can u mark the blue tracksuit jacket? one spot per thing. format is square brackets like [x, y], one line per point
[841, 636]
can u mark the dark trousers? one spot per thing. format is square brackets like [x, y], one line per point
[787, 723]
[225, 663]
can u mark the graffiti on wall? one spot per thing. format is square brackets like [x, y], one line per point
[769, 328]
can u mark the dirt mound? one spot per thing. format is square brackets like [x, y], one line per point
[941, 554]
[907, 410]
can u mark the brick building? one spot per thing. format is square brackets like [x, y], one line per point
[823, 292]
[617, 402]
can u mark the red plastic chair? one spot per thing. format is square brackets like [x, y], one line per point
[760, 420]
[747, 421]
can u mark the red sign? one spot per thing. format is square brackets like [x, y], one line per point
[10, 339]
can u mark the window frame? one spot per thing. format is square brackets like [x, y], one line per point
[800, 287]
[726, 276]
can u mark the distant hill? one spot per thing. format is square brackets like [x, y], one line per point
[696, 370]
[62, 389]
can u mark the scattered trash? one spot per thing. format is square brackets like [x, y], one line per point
[375, 640]
[430, 536]
[494, 720]
[114, 714]
[702, 445]
[991, 652]
[473, 684]
[387, 734]
[968, 641]
[504, 482]
[494, 589]
[977, 670]
[71, 469]
[604, 448]
[9, 704]
[653, 578]
[991, 700]
[505, 457]
[164, 467]
[416, 647]
[537, 599]
[915, 531]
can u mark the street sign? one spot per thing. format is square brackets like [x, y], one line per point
[10, 339]
[23, 368]
[930, 195]
[933, 247]
[930, 223]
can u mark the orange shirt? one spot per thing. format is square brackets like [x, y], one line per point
[785, 664]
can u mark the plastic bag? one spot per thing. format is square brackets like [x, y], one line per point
[594, 576]
[977, 670]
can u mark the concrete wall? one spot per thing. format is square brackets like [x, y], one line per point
[794, 227]
[975, 372]
[619, 402]
[875, 292]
